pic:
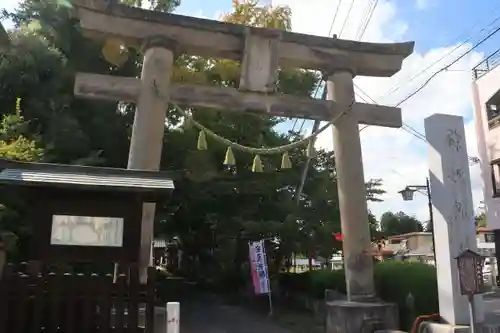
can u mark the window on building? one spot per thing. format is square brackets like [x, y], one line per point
[493, 110]
[495, 177]
[489, 238]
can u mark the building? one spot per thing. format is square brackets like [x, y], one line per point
[486, 99]
[485, 242]
[413, 246]
[418, 246]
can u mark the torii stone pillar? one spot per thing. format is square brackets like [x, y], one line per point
[4, 39]
[149, 125]
[358, 262]
[362, 312]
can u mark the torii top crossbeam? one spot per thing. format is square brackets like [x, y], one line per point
[226, 40]
[260, 50]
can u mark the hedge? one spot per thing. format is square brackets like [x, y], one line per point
[394, 281]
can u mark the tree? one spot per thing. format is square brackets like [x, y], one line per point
[15, 144]
[374, 190]
[215, 210]
[481, 220]
[399, 223]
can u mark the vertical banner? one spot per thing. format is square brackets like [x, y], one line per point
[258, 264]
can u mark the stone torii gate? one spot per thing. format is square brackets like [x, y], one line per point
[4, 39]
[162, 36]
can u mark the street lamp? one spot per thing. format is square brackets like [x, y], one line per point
[407, 194]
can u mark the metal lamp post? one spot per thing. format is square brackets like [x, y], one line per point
[407, 194]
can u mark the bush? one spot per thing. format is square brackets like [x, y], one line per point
[394, 280]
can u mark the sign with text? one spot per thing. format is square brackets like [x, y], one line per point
[87, 231]
[258, 265]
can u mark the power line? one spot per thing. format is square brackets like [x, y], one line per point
[334, 17]
[365, 15]
[361, 33]
[364, 24]
[396, 88]
[406, 126]
[346, 18]
[448, 66]
[321, 81]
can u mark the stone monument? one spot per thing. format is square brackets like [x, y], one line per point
[454, 228]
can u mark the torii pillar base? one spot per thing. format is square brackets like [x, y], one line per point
[360, 317]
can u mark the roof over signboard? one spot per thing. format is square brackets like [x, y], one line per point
[83, 177]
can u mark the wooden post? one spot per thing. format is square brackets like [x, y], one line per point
[493, 269]
[149, 125]
[352, 193]
[173, 317]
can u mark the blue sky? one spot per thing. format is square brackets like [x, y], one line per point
[434, 25]
[440, 22]
[437, 27]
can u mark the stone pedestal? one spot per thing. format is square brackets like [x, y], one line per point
[360, 317]
[428, 327]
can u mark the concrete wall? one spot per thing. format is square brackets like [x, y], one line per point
[488, 141]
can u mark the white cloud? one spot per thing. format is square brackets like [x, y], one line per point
[392, 154]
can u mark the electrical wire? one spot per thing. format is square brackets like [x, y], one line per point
[346, 18]
[408, 128]
[339, 3]
[364, 26]
[494, 32]
[397, 87]
[334, 17]
[365, 15]
[365, 23]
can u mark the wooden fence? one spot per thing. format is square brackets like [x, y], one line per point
[62, 302]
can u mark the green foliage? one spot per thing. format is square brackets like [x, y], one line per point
[374, 190]
[249, 12]
[20, 149]
[14, 145]
[394, 280]
[215, 210]
[399, 223]
[481, 220]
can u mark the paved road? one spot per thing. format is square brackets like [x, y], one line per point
[197, 317]
[492, 310]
